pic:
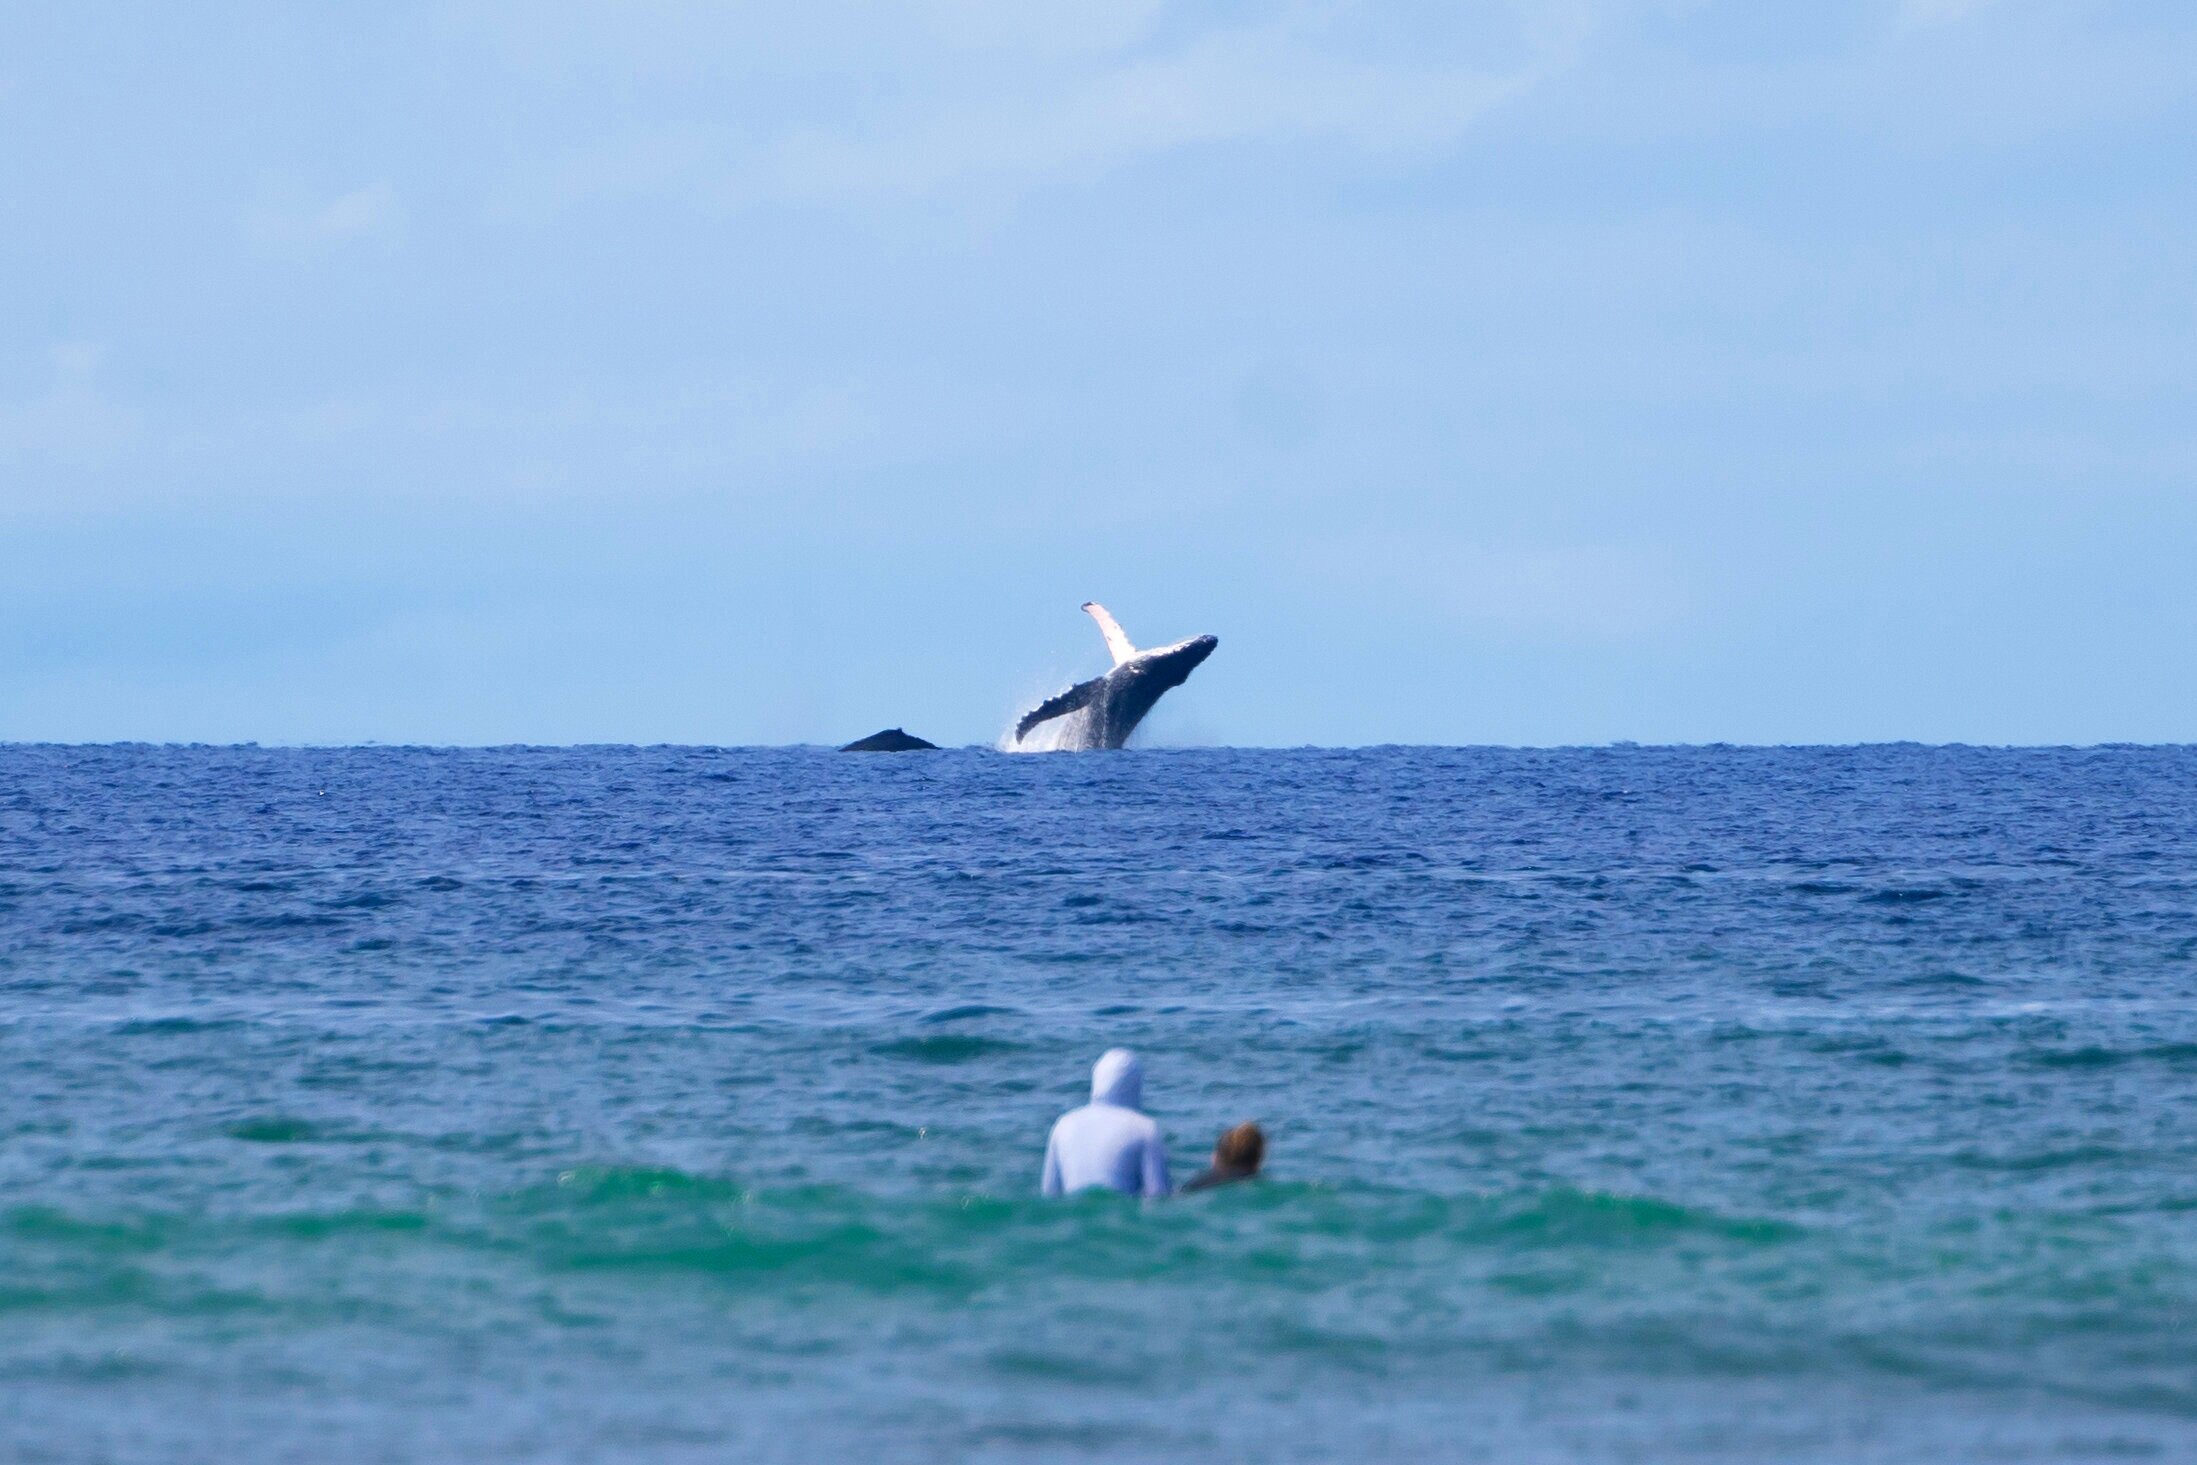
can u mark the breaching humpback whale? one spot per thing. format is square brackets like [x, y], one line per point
[1103, 711]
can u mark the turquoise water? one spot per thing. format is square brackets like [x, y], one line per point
[1625, 1104]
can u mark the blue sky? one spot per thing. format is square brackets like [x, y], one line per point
[1568, 371]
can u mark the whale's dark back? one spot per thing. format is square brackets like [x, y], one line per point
[1132, 690]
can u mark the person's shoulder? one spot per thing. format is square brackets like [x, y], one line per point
[1214, 1179]
[1071, 1117]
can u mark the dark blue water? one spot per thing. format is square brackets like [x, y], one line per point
[687, 1104]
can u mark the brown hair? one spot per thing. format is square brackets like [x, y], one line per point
[1241, 1148]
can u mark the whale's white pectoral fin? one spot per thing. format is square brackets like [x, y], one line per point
[1069, 701]
[1116, 641]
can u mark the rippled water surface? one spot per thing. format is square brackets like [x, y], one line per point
[686, 1104]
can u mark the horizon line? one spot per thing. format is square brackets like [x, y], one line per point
[1614, 745]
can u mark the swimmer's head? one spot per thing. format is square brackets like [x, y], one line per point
[1118, 1078]
[1240, 1149]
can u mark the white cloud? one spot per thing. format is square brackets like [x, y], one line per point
[70, 423]
[332, 419]
[373, 209]
[1003, 98]
[1918, 14]
[284, 221]
[659, 43]
[1257, 88]
[1596, 592]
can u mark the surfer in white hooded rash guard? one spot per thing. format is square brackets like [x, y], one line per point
[1109, 1141]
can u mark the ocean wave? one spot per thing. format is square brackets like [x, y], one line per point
[674, 1221]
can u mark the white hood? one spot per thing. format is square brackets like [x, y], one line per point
[1118, 1078]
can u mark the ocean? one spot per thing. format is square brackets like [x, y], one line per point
[684, 1104]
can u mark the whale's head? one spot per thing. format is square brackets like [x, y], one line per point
[1173, 663]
